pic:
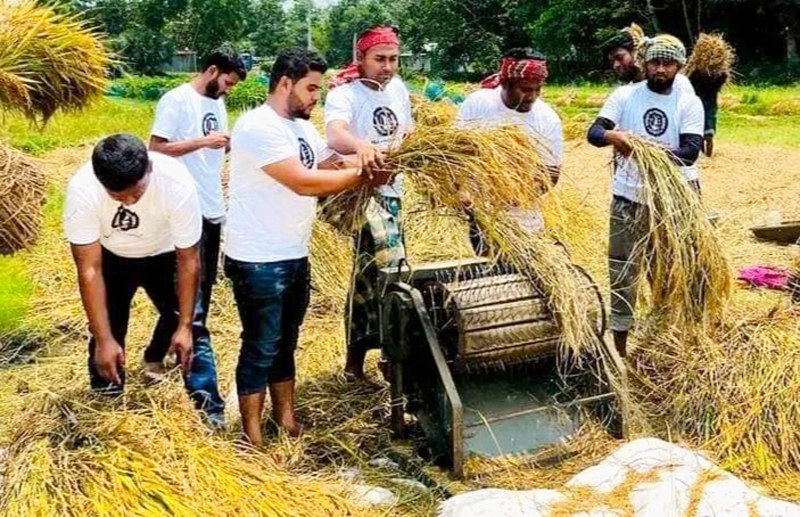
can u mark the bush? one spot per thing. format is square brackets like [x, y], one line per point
[245, 95]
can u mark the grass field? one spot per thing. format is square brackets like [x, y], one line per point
[755, 171]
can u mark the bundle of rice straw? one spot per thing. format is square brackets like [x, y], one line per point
[732, 391]
[432, 113]
[500, 169]
[712, 56]
[22, 187]
[689, 275]
[48, 61]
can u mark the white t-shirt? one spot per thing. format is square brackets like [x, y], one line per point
[486, 106]
[267, 221]
[379, 117]
[184, 114]
[653, 116]
[167, 216]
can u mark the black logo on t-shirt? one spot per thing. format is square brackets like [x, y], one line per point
[125, 220]
[306, 154]
[384, 121]
[655, 122]
[210, 123]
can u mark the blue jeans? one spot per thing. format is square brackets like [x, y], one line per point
[122, 277]
[272, 298]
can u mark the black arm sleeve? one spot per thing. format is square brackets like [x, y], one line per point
[597, 131]
[688, 151]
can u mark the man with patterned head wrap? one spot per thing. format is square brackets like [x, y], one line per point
[624, 52]
[512, 97]
[655, 110]
[367, 111]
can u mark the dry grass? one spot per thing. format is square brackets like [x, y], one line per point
[688, 272]
[427, 113]
[712, 56]
[22, 187]
[732, 391]
[48, 61]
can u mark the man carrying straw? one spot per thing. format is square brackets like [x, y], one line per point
[512, 96]
[276, 154]
[133, 220]
[367, 110]
[624, 52]
[191, 125]
[657, 111]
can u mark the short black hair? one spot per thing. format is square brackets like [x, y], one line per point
[295, 63]
[622, 39]
[120, 161]
[226, 60]
[524, 53]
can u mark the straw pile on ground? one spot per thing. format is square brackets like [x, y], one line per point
[22, 186]
[688, 273]
[48, 61]
[73, 455]
[732, 391]
[711, 57]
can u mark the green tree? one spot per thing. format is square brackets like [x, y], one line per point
[207, 24]
[350, 17]
[268, 27]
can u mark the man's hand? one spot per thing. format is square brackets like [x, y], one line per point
[621, 140]
[217, 140]
[369, 159]
[108, 357]
[708, 145]
[181, 346]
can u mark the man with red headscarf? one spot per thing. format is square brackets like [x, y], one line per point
[512, 97]
[367, 111]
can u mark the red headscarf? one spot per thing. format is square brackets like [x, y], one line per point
[511, 68]
[380, 35]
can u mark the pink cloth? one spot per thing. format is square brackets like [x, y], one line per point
[770, 277]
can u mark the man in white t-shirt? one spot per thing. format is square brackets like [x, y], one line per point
[192, 125]
[623, 51]
[367, 111]
[276, 155]
[655, 110]
[512, 97]
[133, 220]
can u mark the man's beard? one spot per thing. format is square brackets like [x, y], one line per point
[297, 110]
[212, 89]
[660, 85]
[630, 74]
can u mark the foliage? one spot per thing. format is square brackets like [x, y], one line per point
[247, 94]
[350, 17]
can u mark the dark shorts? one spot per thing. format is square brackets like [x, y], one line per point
[271, 298]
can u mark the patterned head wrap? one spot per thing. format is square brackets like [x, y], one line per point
[380, 35]
[511, 68]
[663, 46]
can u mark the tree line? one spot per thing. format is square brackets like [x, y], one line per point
[461, 37]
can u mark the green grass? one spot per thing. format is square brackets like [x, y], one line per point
[15, 291]
[17, 287]
[72, 129]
